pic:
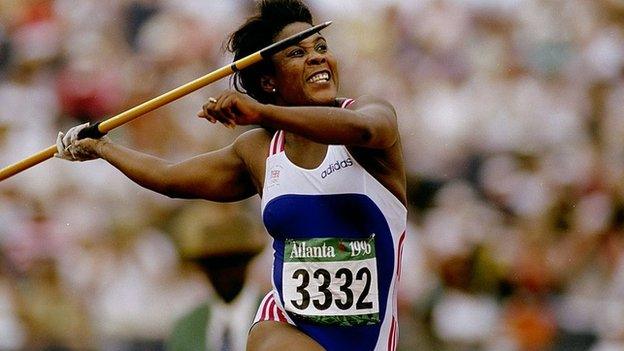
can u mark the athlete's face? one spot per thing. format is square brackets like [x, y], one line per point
[305, 73]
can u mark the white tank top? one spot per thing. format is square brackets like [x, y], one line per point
[328, 224]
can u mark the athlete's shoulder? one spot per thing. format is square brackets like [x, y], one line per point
[253, 141]
[254, 134]
[366, 100]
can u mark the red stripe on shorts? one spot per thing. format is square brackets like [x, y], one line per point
[272, 313]
[281, 316]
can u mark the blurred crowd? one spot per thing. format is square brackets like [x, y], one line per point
[511, 130]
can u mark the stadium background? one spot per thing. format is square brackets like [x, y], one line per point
[511, 120]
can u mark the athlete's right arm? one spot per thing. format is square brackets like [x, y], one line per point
[220, 175]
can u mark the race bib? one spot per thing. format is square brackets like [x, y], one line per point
[331, 281]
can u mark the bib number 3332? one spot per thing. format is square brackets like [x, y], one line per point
[331, 281]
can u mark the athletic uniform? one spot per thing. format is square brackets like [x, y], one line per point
[337, 239]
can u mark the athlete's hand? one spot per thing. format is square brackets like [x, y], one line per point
[232, 108]
[69, 147]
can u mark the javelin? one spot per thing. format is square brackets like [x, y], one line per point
[99, 129]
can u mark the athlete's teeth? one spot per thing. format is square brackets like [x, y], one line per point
[320, 76]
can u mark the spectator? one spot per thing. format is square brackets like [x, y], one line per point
[221, 241]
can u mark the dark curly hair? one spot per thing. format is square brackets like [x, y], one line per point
[258, 32]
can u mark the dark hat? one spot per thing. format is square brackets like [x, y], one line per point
[205, 229]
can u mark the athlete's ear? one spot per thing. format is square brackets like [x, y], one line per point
[267, 83]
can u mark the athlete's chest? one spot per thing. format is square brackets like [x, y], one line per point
[306, 155]
[338, 172]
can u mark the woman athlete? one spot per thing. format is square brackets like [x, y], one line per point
[330, 175]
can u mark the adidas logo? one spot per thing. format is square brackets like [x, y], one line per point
[336, 166]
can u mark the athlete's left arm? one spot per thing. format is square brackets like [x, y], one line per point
[369, 122]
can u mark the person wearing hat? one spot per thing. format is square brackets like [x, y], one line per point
[222, 240]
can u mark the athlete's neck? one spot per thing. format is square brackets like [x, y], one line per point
[303, 151]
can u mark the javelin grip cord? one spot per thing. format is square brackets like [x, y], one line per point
[92, 131]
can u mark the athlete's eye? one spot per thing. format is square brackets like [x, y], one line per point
[322, 48]
[295, 53]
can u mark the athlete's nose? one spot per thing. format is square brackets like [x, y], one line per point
[316, 58]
